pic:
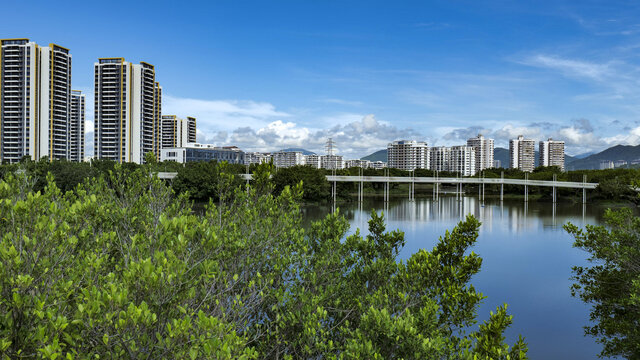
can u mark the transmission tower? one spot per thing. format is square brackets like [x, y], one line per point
[330, 147]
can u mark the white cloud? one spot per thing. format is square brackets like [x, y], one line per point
[354, 139]
[568, 67]
[342, 102]
[509, 131]
[631, 138]
[222, 114]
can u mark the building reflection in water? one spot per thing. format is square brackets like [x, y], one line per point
[516, 215]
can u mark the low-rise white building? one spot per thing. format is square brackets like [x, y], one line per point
[378, 165]
[331, 162]
[606, 164]
[620, 163]
[203, 152]
[365, 164]
[312, 160]
[256, 158]
[283, 159]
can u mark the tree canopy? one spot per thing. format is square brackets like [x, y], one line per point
[123, 268]
[612, 284]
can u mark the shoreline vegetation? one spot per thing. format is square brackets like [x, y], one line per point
[200, 180]
[106, 260]
[120, 266]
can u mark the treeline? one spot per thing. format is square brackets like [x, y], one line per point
[122, 267]
[201, 179]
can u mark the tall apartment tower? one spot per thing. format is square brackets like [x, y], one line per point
[76, 126]
[408, 155]
[440, 158]
[522, 154]
[35, 92]
[127, 108]
[551, 153]
[177, 132]
[484, 152]
[463, 160]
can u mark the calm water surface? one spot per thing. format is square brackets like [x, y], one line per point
[527, 260]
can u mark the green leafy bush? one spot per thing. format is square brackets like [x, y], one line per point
[123, 268]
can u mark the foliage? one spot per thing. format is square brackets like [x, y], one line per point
[314, 184]
[615, 189]
[202, 180]
[612, 284]
[122, 268]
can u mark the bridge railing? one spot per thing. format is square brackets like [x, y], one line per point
[452, 180]
[439, 180]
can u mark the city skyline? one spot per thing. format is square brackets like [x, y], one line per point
[368, 75]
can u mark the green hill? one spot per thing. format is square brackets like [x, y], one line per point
[380, 155]
[303, 151]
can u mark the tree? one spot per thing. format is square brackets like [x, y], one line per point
[314, 183]
[612, 284]
[123, 268]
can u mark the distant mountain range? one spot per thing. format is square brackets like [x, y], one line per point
[303, 151]
[628, 153]
[584, 161]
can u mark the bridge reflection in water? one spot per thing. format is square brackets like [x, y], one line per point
[515, 215]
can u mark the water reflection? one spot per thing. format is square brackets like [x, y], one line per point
[527, 259]
[517, 215]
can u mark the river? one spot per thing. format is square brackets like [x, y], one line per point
[527, 260]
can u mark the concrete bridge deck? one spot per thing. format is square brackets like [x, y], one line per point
[437, 181]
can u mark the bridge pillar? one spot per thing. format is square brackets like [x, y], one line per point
[555, 194]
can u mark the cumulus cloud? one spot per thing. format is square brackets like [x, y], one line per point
[463, 134]
[222, 114]
[509, 131]
[579, 137]
[354, 139]
[631, 138]
[583, 124]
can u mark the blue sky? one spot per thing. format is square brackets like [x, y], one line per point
[265, 75]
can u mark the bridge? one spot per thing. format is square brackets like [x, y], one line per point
[459, 182]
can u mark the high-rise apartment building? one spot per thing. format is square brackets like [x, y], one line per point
[408, 155]
[177, 132]
[157, 127]
[551, 153]
[522, 154]
[35, 93]
[127, 108]
[76, 126]
[484, 152]
[440, 158]
[463, 160]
